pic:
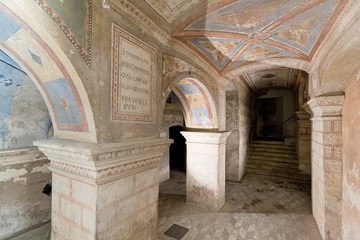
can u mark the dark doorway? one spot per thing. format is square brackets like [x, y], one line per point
[177, 149]
[269, 119]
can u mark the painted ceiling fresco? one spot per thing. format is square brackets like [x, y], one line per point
[75, 20]
[251, 30]
[171, 9]
[277, 78]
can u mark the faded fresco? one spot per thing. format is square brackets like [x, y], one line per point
[23, 114]
[254, 30]
[67, 108]
[75, 20]
[196, 103]
[64, 102]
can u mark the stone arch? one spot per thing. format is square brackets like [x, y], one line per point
[47, 65]
[197, 101]
[271, 63]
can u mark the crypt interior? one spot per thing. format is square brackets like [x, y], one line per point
[167, 119]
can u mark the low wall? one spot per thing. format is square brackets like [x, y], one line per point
[23, 174]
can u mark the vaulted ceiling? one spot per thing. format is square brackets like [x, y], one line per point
[230, 33]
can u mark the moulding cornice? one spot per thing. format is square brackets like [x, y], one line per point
[103, 162]
[162, 36]
[325, 106]
[141, 19]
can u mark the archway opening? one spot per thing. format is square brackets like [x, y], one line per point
[177, 149]
[24, 118]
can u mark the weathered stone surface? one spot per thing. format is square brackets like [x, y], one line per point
[327, 178]
[115, 185]
[23, 174]
[205, 176]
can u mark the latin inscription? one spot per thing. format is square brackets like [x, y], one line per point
[133, 78]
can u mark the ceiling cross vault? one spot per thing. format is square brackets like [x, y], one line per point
[230, 34]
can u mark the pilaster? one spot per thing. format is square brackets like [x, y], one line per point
[205, 175]
[303, 140]
[104, 191]
[327, 176]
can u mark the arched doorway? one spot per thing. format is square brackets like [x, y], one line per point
[177, 149]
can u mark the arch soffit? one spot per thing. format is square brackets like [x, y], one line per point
[269, 64]
[198, 102]
[42, 59]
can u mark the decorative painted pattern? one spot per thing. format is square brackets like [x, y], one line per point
[171, 9]
[39, 61]
[65, 14]
[64, 101]
[264, 30]
[196, 104]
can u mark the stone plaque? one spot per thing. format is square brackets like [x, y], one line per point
[133, 78]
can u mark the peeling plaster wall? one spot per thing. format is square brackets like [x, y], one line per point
[23, 114]
[232, 168]
[23, 174]
[244, 127]
[351, 164]
[238, 123]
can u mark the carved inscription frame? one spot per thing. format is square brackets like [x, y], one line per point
[133, 78]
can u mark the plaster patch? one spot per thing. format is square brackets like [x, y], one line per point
[41, 169]
[352, 195]
[15, 174]
[354, 172]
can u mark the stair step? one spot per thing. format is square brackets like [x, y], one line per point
[278, 143]
[272, 154]
[266, 146]
[274, 164]
[271, 150]
[276, 159]
[271, 159]
[298, 177]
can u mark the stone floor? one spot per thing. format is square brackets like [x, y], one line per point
[258, 207]
[40, 233]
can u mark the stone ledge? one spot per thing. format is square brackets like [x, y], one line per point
[103, 162]
[206, 137]
[21, 156]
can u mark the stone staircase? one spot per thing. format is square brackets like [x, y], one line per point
[277, 159]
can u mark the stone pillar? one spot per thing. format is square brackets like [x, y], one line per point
[104, 191]
[205, 173]
[234, 169]
[303, 141]
[326, 153]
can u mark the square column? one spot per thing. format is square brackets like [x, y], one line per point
[205, 170]
[326, 154]
[104, 191]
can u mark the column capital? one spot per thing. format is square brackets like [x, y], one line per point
[104, 161]
[206, 137]
[325, 106]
